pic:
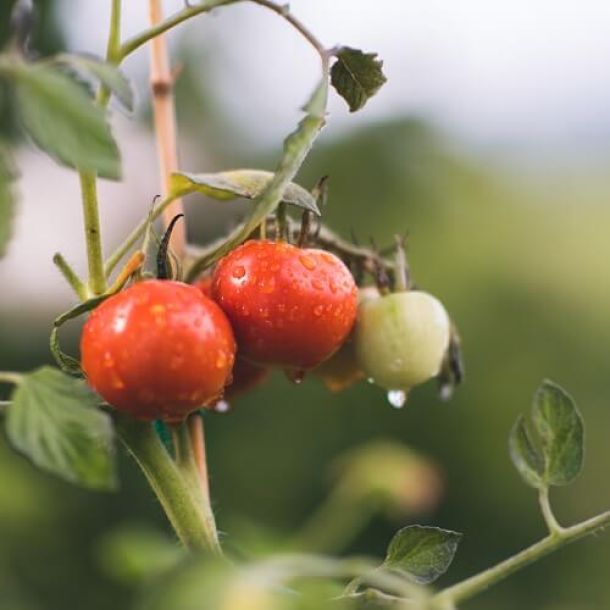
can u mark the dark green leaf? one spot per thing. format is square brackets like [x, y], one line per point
[64, 121]
[525, 456]
[246, 183]
[423, 552]
[106, 73]
[54, 421]
[356, 76]
[7, 200]
[561, 431]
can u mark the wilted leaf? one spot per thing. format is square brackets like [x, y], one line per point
[356, 76]
[246, 183]
[106, 73]
[64, 121]
[561, 431]
[54, 421]
[423, 552]
[7, 200]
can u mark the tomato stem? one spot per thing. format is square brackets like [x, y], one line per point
[172, 483]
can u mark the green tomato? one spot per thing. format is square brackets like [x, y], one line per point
[401, 338]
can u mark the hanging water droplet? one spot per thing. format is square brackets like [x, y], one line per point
[397, 398]
[445, 391]
[370, 380]
[222, 406]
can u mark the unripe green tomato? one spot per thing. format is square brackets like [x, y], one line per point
[401, 338]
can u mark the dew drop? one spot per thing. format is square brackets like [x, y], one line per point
[307, 262]
[318, 310]
[239, 272]
[370, 380]
[397, 398]
[317, 284]
[222, 406]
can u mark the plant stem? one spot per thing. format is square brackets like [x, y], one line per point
[547, 511]
[70, 276]
[129, 46]
[179, 498]
[162, 84]
[91, 217]
[472, 586]
[10, 377]
[95, 260]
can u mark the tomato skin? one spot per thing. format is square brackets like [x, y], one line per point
[289, 307]
[401, 338]
[158, 350]
[245, 375]
[343, 369]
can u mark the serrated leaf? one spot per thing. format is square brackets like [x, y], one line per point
[55, 422]
[561, 429]
[356, 76]
[422, 552]
[7, 200]
[64, 121]
[106, 73]
[525, 456]
[246, 183]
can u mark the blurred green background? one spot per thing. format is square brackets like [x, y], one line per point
[520, 259]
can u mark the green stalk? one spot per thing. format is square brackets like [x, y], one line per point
[88, 180]
[177, 493]
[470, 587]
[70, 276]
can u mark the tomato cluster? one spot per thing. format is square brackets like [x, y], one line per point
[161, 349]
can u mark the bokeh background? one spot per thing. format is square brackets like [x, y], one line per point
[490, 144]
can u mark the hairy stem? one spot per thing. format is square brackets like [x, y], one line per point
[476, 584]
[162, 85]
[178, 496]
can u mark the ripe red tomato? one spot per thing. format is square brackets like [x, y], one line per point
[158, 350]
[289, 307]
[245, 375]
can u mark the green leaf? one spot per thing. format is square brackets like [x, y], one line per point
[64, 121]
[55, 422]
[7, 200]
[106, 73]
[556, 455]
[561, 430]
[525, 456]
[246, 183]
[356, 76]
[423, 552]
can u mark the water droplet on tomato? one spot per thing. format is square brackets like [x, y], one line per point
[239, 272]
[222, 406]
[318, 310]
[397, 398]
[307, 262]
[317, 284]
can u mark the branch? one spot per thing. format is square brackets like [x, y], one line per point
[476, 584]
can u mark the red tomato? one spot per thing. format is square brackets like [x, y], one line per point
[158, 350]
[289, 307]
[245, 375]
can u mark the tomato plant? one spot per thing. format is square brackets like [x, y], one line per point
[158, 350]
[290, 307]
